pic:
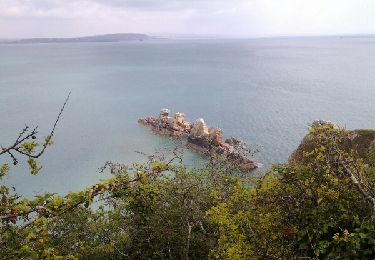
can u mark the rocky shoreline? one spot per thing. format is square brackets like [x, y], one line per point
[201, 139]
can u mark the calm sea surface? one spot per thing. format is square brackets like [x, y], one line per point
[263, 91]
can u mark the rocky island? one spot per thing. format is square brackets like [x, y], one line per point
[202, 139]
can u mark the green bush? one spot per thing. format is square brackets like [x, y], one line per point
[320, 205]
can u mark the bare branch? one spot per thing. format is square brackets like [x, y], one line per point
[26, 135]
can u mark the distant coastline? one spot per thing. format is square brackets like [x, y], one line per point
[133, 37]
[118, 37]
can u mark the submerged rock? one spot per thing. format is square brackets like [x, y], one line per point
[200, 138]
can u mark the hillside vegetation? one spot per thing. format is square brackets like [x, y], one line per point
[319, 205]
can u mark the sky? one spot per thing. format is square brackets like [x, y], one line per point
[240, 18]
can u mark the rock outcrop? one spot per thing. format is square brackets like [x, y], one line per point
[360, 140]
[200, 138]
[175, 126]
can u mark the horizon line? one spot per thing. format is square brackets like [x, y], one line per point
[205, 36]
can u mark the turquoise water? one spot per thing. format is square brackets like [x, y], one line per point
[262, 91]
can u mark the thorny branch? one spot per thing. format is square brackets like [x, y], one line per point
[27, 134]
[92, 192]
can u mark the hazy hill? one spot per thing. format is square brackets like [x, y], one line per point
[118, 37]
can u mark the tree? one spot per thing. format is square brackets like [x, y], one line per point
[318, 205]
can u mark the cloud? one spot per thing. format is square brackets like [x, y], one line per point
[66, 7]
[240, 17]
[160, 5]
[51, 8]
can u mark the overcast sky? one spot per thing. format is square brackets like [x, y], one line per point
[247, 18]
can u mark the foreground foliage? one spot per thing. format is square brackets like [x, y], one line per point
[319, 205]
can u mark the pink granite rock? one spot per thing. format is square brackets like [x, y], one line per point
[200, 138]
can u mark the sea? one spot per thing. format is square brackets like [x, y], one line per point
[264, 92]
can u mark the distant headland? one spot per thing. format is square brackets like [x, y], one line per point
[117, 37]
